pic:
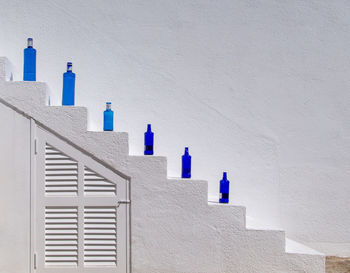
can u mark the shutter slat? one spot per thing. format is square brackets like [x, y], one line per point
[61, 236]
[61, 173]
[94, 184]
[100, 236]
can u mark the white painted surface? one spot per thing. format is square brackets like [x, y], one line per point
[295, 247]
[257, 88]
[173, 228]
[81, 211]
[15, 192]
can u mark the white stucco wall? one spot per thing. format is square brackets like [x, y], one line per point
[257, 88]
[173, 228]
[15, 192]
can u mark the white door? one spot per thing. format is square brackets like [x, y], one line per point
[81, 211]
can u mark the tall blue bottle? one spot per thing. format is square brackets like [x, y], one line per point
[186, 164]
[29, 68]
[108, 118]
[149, 140]
[68, 86]
[224, 189]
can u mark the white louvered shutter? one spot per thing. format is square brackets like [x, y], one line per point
[61, 236]
[81, 211]
[61, 173]
[95, 185]
[100, 236]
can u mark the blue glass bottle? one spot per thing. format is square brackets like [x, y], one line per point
[29, 68]
[224, 189]
[149, 140]
[68, 86]
[186, 164]
[108, 118]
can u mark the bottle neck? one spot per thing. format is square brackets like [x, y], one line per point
[69, 67]
[224, 178]
[30, 43]
[186, 152]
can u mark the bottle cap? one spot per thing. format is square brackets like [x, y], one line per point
[30, 42]
[69, 67]
[108, 105]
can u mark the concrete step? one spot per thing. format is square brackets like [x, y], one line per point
[112, 146]
[227, 216]
[67, 120]
[24, 95]
[190, 192]
[298, 248]
[300, 263]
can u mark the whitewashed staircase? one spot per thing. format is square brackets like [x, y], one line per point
[173, 227]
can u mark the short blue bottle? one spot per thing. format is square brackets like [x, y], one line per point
[149, 140]
[29, 69]
[108, 117]
[186, 164]
[224, 189]
[68, 94]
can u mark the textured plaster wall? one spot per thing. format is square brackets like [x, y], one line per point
[173, 228]
[14, 192]
[257, 88]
